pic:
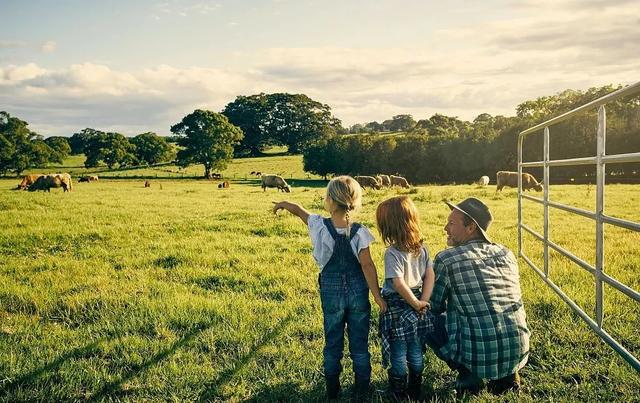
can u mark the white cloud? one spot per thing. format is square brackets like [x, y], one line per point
[49, 47]
[464, 71]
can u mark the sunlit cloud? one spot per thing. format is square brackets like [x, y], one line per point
[49, 47]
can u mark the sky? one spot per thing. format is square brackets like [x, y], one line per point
[134, 66]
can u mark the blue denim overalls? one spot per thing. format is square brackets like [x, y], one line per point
[345, 301]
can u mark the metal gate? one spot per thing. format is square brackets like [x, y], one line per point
[599, 216]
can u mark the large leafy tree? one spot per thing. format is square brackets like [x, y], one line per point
[79, 140]
[20, 148]
[110, 148]
[250, 114]
[293, 120]
[207, 138]
[151, 148]
[60, 147]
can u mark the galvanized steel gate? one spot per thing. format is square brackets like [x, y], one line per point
[598, 216]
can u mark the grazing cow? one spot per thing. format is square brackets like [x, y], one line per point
[28, 180]
[509, 178]
[223, 185]
[258, 173]
[399, 181]
[147, 184]
[46, 182]
[274, 181]
[483, 181]
[90, 178]
[216, 176]
[367, 182]
[385, 180]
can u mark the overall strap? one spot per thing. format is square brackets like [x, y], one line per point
[332, 230]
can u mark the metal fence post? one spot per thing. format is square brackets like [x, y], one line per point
[546, 201]
[602, 129]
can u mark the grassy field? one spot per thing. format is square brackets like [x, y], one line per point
[287, 166]
[183, 291]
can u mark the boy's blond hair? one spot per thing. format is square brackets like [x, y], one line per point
[399, 224]
[346, 193]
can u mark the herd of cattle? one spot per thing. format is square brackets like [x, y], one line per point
[503, 178]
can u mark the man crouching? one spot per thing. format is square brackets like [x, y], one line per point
[480, 324]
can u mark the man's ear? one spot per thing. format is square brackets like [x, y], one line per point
[471, 228]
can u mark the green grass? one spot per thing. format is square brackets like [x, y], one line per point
[288, 166]
[117, 292]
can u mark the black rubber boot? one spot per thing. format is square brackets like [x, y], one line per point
[415, 387]
[398, 386]
[510, 383]
[361, 389]
[333, 386]
[468, 383]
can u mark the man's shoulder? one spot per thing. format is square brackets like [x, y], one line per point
[471, 250]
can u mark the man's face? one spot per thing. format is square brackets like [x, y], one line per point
[457, 233]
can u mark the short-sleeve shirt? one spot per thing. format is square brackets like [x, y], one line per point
[411, 267]
[323, 243]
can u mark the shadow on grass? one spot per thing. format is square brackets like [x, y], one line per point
[113, 388]
[29, 379]
[212, 390]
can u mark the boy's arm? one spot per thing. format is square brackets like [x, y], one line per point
[405, 292]
[293, 208]
[371, 275]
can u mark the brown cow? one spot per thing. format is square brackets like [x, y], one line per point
[509, 178]
[147, 184]
[46, 182]
[90, 178]
[223, 185]
[367, 182]
[28, 180]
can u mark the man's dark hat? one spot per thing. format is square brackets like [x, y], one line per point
[477, 211]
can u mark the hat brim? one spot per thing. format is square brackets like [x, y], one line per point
[482, 232]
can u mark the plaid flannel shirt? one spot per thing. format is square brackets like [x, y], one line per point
[478, 285]
[401, 321]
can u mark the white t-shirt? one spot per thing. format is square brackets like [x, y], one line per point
[323, 243]
[406, 265]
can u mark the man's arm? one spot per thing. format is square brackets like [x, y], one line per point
[293, 208]
[441, 288]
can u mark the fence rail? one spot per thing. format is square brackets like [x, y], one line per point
[598, 216]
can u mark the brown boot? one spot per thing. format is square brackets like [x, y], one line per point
[509, 383]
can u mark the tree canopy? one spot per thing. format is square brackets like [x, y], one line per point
[208, 138]
[20, 148]
[292, 120]
[151, 148]
[109, 148]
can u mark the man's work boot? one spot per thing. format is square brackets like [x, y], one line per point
[333, 386]
[467, 382]
[509, 383]
[414, 387]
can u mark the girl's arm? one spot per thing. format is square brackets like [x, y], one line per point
[405, 292]
[427, 284]
[371, 275]
[293, 208]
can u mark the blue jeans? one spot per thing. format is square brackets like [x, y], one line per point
[345, 302]
[406, 353]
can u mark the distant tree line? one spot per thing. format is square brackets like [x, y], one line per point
[438, 149]
[447, 149]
